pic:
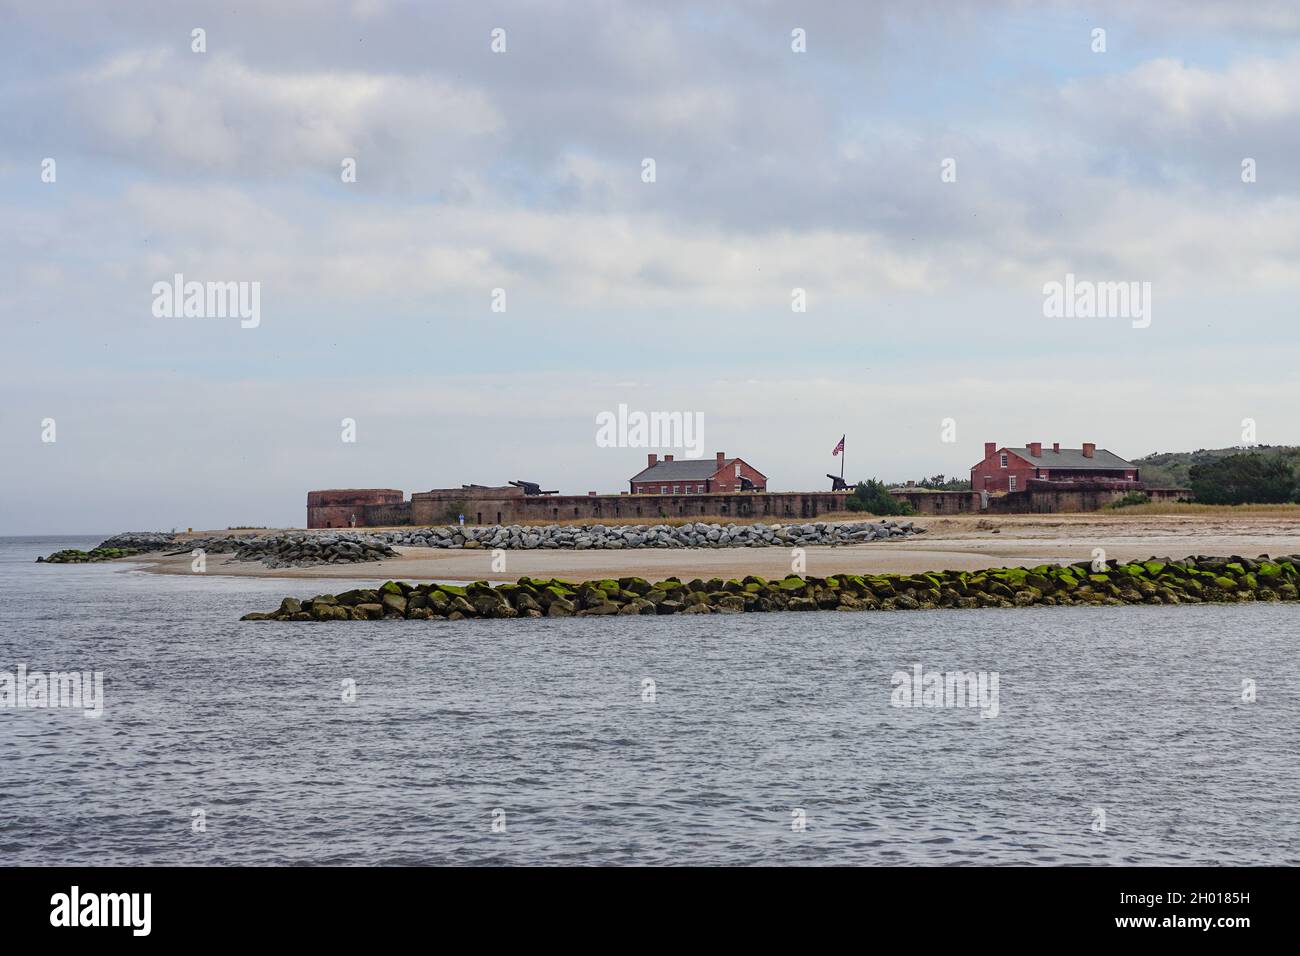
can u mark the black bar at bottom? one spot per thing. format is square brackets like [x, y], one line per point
[333, 906]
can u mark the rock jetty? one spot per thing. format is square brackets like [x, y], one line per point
[304, 549]
[292, 550]
[124, 545]
[141, 540]
[100, 553]
[1192, 580]
[696, 535]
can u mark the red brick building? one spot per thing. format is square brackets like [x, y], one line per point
[1011, 469]
[696, 476]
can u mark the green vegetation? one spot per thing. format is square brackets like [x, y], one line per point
[873, 497]
[1173, 469]
[1130, 499]
[1248, 478]
[944, 483]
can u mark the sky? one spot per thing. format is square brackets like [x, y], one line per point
[922, 171]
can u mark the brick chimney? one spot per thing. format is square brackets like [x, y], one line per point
[1036, 449]
[722, 457]
[668, 457]
[651, 460]
[1056, 447]
[1088, 449]
[989, 448]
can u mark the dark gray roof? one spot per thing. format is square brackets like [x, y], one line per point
[1073, 458]
[681, 469]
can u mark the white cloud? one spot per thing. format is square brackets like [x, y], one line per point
[213, 112]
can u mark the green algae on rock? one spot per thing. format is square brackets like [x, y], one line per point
[74, 556]
[1193, 580]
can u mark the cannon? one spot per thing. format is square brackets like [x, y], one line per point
[532, 488]
[838, 483]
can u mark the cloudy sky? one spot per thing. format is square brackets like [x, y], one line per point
[522, 170]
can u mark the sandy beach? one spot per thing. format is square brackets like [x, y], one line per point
[957, 543]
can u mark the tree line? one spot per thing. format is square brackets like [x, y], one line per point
[1245, 479]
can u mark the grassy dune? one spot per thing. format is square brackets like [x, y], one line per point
[1191, 508]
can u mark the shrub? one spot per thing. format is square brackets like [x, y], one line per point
[874, 498]
[1132, 498]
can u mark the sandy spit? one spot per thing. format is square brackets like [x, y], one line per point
[958, 543]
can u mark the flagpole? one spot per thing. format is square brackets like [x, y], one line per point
[842, 455]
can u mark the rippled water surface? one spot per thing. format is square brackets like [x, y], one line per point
[1136, 712]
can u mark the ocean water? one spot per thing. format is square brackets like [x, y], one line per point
[1121, 734]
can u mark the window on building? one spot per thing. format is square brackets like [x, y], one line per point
[737, 469]
[677, 489]
[1011, 483]
[663, 489]
[1004, 461]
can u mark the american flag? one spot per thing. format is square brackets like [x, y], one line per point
[840, 447]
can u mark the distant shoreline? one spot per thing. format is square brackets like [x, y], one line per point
[966, 543]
